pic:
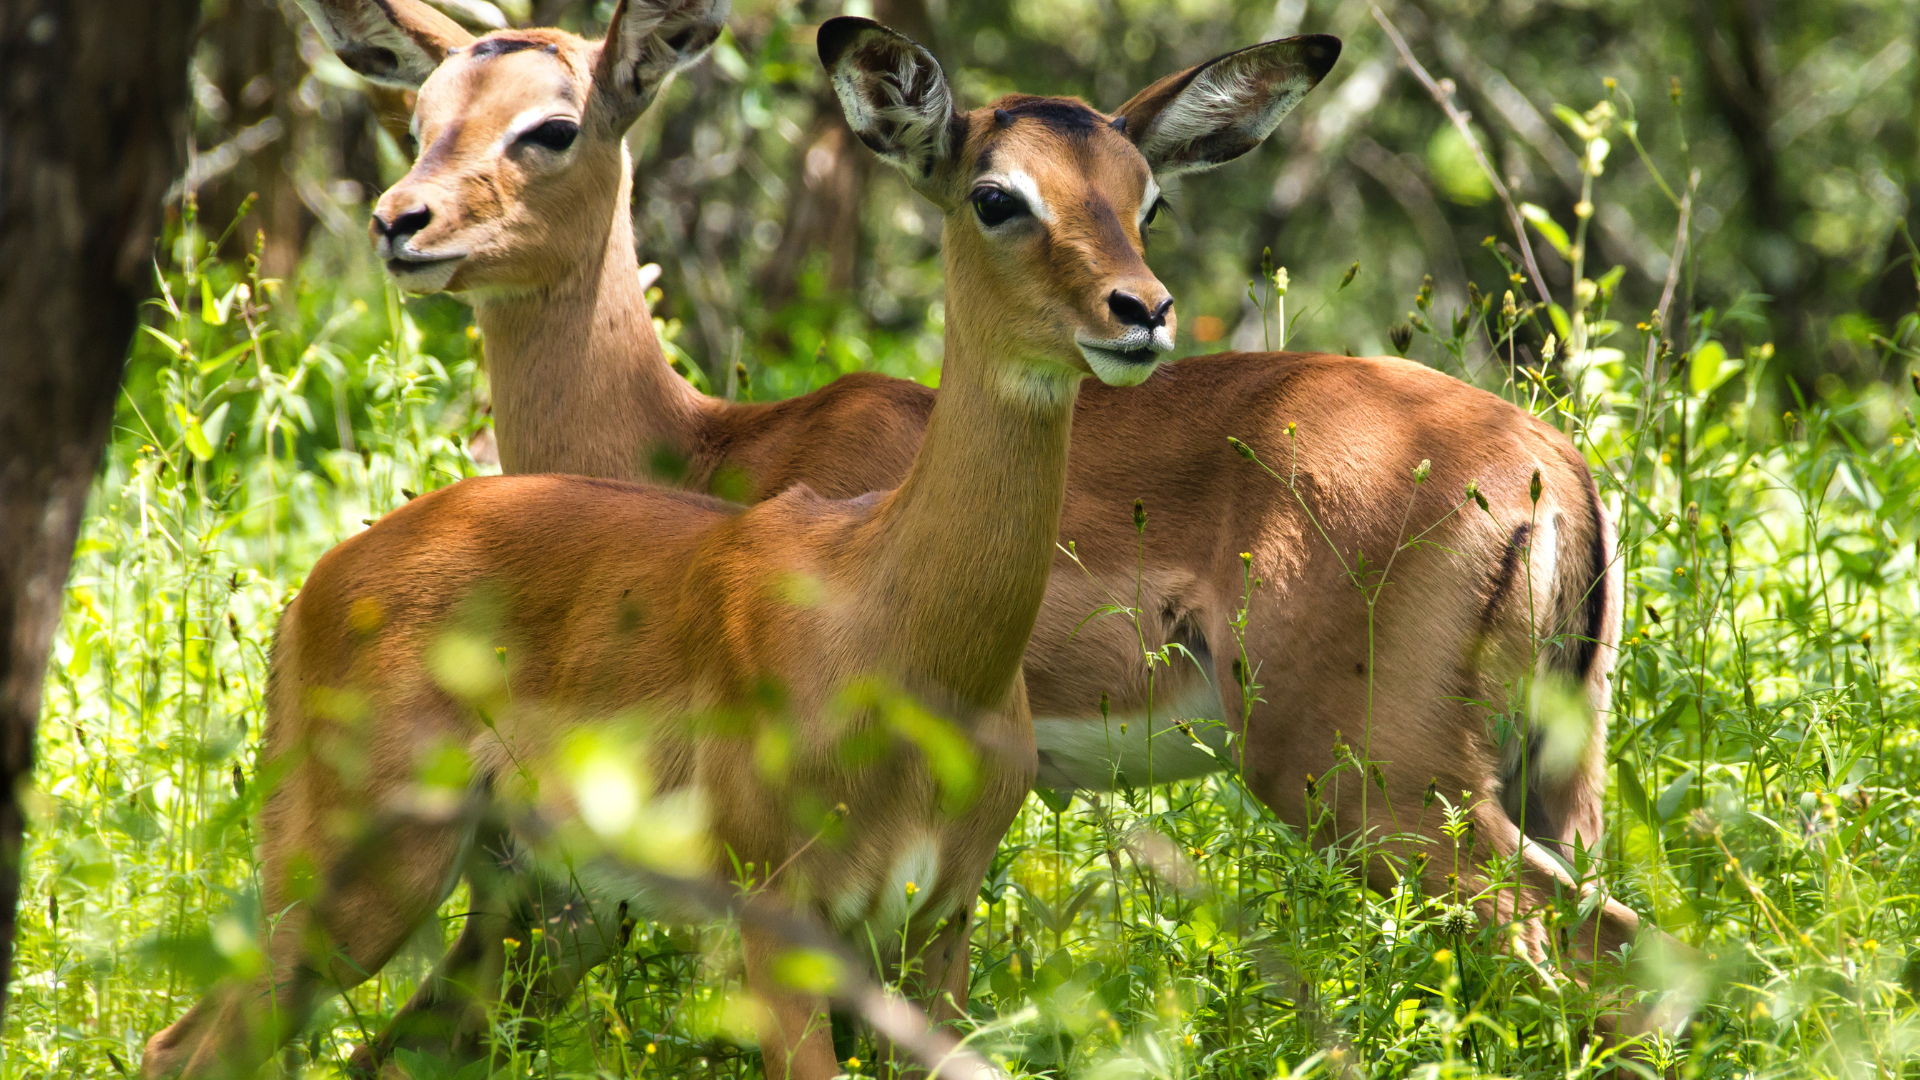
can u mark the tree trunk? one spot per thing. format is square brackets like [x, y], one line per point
[93, 97]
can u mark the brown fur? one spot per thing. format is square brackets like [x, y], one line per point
[581, 385]
[722, 626]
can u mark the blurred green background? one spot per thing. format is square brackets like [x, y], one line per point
[765, 215]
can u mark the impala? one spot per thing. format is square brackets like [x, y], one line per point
[1488, 599]
[612, 606]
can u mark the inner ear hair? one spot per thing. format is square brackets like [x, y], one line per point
[649, 40]
[1214, 112]
[893, 92]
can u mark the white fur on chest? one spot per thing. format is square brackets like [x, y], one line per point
[1091, 753]
[885, 902]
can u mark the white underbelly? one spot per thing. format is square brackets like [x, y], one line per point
[1100, 754]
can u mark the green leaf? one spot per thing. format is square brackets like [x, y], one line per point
[1852, 832]
[226, 355]
[1561, 324]
[196, 436]
[1709, 367]
[1056, 801]
[1632, 793]
[1574, 121]
[1549, 229]
[212, 312]
[175, 347]
[82, 654]
[1675, 793]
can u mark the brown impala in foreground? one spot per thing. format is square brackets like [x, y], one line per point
[735, 641]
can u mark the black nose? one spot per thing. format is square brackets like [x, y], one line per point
[1132, 311]
[405, 225]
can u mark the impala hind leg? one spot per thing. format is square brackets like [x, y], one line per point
[447, 1017]
[370, 902]
[796, 1037]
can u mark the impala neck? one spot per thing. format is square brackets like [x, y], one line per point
[580, 383]
[966, 543]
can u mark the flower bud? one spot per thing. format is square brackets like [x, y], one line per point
[1347, 278]
[1401, 337]
[1533, 487]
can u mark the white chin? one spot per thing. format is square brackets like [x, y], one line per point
[1121, 368]
[425, 278]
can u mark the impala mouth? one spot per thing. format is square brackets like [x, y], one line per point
[423, 273]
[1128, 360]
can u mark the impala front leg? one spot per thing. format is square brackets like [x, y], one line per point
[796, 1038]
[942, 989]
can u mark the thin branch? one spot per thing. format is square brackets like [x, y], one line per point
[1442, 91]
[1673, 276]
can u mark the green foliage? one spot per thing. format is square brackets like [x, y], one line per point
[1762, 749]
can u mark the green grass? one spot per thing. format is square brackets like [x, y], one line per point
[1762, 744]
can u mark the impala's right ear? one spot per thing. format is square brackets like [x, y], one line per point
[395, 43]
[893, 92]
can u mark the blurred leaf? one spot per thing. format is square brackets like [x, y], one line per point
[196, 438]
[1451, 162]
[1708, 367]
[1056, 801]
[1548, 228]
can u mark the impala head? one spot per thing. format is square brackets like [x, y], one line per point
[1046, 199]
[520, 132]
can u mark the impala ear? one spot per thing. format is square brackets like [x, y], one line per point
[1210, 114]
[395, 43]
[893, 92]
[647, 41]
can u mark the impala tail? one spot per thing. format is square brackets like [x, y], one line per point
[1556, 775]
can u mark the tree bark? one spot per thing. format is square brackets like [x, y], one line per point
[93, 97]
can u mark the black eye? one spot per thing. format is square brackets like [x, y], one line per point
[554, 135]
[1153, 212]
[996, 206]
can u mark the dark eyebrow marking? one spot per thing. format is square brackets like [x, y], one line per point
[486, 48]
[1064, 115]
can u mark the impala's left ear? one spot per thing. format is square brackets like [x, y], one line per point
[647, 41]
[1210, 114]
